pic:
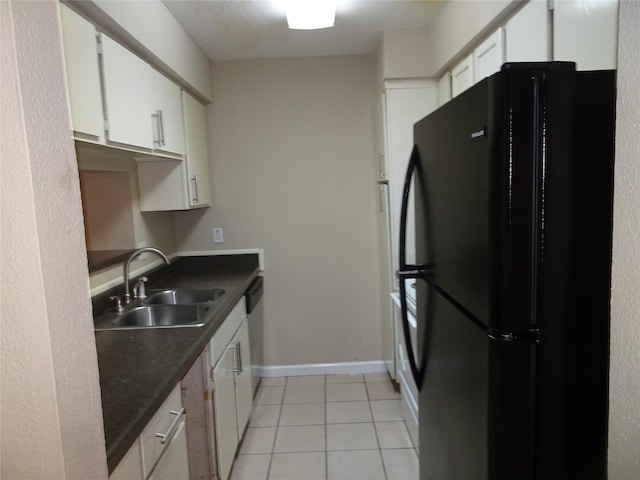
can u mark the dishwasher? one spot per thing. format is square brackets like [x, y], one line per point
[253, 297]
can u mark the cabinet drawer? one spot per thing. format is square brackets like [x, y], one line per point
[227, 330]
[165, 422]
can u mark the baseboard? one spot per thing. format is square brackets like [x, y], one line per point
[377, 366]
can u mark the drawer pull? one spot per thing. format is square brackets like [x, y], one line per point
[165, 437]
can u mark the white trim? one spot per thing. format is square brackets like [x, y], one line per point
[259, 251]
[377, 366]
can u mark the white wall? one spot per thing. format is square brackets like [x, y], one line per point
[51, 422]
[293, 172]
[402, 54]
[624, 419]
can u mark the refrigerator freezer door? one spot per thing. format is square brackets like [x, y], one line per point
[476, 198]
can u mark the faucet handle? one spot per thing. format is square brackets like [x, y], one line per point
[117, 304]
[138, 289]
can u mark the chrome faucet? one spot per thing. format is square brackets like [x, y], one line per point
[135, 253]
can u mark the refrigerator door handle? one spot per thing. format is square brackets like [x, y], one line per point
[413, 161]
[409, 272]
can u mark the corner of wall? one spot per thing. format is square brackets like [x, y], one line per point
[402, 54]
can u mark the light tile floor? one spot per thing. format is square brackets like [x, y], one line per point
[326, 427]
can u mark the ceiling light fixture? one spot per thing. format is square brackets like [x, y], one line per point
[310, 14]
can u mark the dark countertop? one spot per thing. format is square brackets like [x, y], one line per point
[139, 368]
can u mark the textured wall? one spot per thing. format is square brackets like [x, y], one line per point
[293, 172]
[51, 423]
[624, 426]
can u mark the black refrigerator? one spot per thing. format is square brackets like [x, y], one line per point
[512, 183]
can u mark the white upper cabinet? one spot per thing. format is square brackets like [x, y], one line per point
[586, 32]
[144, 108]
[444, 89]
[489, 56]
[127, 96]
[195, 131]
[181, 184]
[462, 76]
[166, 111]
[527, 34]
[83, 75]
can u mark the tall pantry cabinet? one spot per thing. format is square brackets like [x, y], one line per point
[401, 103]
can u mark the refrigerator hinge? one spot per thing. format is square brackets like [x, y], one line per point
[532, 336]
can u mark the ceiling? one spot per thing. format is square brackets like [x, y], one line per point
[252, 29]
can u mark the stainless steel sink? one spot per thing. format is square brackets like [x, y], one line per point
[183, 296]
[154, 316]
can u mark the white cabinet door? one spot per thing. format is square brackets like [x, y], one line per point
[225, 412]
[174, 463]
[181, 184]
[165, 422]
[387, 284]
[527, 34]
[586, 32]
[83, 75]
[127, 96]
[195, 127]
[244, 391]
[489, 56]
[130, 467]
[462, 76]
[405, 106]
[406, 102]
[444, 89]
[166, 106]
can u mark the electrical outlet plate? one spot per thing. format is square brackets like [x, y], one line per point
[218, 236]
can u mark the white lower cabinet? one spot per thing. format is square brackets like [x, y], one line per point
[217, 390]
[224, 407]
[244, 391]
[174, 464]
[232, 395]
[161, 450]
[130, 467]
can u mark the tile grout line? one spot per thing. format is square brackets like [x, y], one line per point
[375, 431]
[275, 436]
[326, 428]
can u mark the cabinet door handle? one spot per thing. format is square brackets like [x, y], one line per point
[194, 180]
[165, 437]
[383, 198]
[156, 130]
[236, 363]
[161, 127]
[239, 354]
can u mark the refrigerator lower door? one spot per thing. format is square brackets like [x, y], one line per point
[475, 405]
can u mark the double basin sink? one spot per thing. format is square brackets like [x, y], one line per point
[168, 308]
